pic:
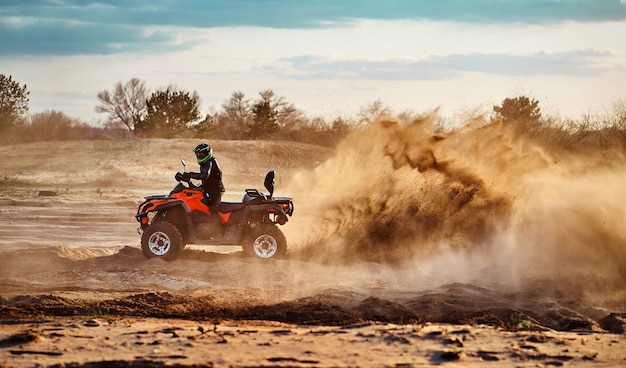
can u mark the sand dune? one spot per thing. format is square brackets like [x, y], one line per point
[407, 247]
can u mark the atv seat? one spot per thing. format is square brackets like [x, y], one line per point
[253, 195]
[231, 206]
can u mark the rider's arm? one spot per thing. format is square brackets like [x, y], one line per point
[205, 170]
[197, 176]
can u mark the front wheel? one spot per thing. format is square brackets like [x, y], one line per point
[265, 241]
[161, 240]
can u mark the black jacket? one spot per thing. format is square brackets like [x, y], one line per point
[211, 176]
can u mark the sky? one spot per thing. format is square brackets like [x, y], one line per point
[330, 58]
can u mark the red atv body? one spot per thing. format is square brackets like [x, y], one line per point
[169, 222]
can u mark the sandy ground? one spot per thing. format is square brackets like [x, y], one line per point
[75, 289]
[150, 342]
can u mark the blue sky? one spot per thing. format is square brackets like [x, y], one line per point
[328, 57]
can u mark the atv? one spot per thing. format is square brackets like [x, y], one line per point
[169, 222]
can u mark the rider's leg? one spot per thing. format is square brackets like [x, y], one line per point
[215, 198]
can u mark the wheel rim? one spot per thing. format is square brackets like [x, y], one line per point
[159, 243]
[265, 246]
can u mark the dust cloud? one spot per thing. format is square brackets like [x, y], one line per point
[476, 205]
[403, 221]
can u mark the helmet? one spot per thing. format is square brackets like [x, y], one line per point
[203, 152]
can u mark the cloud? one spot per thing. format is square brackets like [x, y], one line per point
[108, 26]
[574, 63]
[62, 37]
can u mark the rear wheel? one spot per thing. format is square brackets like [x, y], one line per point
[265, 241]
[161, 240]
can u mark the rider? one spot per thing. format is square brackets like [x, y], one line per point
[210, 174]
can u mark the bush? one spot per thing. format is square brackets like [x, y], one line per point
[53, 125]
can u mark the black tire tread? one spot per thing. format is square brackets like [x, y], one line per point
[176, 240]
[269, 229]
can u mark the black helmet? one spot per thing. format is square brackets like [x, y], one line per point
[203, 152]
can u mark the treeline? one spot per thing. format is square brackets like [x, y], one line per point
[600, 136]
[131, 110]
[170, 112]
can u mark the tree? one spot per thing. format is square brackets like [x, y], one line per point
[617, 121]
[287, 115]
[53, 125]
[371, 112]
[340, 126]
[13, 103]
[518, 110]
[619, 114]
[205, 128]
[264, 120]
[169, 112]
[287, 120]
[125, 105]
[233, 122]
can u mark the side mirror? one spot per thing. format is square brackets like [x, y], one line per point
[182, 161]
[269, 182]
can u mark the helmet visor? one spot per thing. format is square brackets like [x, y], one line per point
[201, 154]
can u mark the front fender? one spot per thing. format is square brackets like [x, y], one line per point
[146, 208]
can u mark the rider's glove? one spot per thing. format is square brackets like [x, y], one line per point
[185, 176]
[178, 176]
